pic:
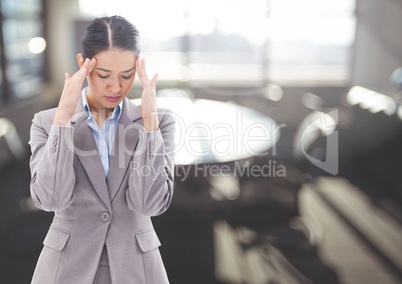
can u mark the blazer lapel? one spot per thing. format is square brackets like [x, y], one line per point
[125, 142]
[87, 152]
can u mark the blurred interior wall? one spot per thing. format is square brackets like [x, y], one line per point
[378, 45]
[60, 19]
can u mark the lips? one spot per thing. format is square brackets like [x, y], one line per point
[112, 99]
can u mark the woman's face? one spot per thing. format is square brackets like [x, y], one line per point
[111, 79]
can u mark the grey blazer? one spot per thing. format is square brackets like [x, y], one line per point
[90, 211]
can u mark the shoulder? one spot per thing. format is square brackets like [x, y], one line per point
[167, 122]
[164, 113]
[44, 118]
[47, 114]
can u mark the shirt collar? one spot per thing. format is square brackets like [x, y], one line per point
[116, 112]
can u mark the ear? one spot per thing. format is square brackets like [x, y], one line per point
[80, 60]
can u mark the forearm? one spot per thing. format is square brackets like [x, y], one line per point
[52, 160]
[151, 181]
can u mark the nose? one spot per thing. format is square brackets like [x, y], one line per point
[114, 86]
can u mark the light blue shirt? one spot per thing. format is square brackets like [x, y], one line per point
[104, 137]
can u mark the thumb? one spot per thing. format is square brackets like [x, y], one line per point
[67, 76]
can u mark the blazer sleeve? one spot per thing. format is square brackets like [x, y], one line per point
[150, 189]
[51, 163]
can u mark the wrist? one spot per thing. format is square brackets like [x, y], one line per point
[151, 123]
[150, 128]
[62, 119]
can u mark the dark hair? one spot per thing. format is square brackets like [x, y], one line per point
[108, 32]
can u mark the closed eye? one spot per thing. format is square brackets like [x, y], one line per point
[127, 77]
[103, 77]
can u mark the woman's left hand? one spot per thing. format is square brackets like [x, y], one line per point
[148, 106]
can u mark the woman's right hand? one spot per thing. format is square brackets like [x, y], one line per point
[71, 93]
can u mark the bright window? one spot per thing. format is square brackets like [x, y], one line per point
[215, 41]
[310, 41]
[23, 48]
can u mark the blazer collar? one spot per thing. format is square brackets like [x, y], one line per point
[126, 140]
[125, 143]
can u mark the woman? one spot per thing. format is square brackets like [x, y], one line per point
[104, 166]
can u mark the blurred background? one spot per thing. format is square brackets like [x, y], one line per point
[332, 215]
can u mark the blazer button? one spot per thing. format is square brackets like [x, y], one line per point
[105, 216]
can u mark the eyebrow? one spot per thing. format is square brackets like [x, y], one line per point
[106, 70]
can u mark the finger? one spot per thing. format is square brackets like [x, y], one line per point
[138, 67]
[83, 74]
[154, 79]
[143, 68]
[79, 77]
[77, 80]
[91, 66]
[86, 64]
[84, 68]
[70, 83]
